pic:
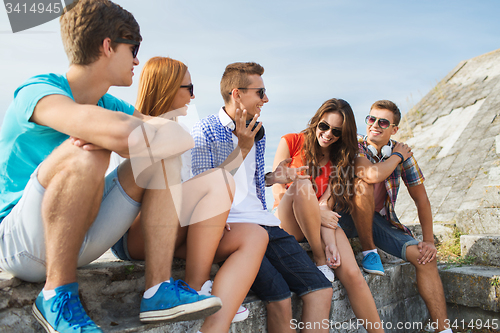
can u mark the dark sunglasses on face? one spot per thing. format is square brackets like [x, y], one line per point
[260, 91]
[325, 127]
[382, 122]
[190, 87]
[136, 44]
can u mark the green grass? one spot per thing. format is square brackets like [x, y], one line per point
[449, 251]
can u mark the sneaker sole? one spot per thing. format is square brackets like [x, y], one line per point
[240, 316]
[41, 319]
[374, 272]
[184, 312]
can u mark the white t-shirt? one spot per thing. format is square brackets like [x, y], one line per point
[246, 207]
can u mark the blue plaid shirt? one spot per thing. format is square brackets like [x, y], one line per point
[213, 138]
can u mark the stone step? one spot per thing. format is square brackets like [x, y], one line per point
[472, 287]
[479, 221]
[111, 291]
[486, 248]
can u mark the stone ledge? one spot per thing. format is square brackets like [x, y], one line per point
[472, 286]
[479, 221]
[486, 248]
[111, 292]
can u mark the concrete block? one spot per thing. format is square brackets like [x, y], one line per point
[464, 318]
[479, 221]
[486, 248]
[491, 197]
[472, 286]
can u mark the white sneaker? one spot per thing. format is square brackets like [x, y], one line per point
[327, 272]
[241, 314]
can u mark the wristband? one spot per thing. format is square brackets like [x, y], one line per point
[400, 156]
[266, 177]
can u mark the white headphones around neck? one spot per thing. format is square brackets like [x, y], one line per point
[386, 151]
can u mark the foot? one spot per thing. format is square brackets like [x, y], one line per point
[242, 312]
[327, 272]
[372, 264]
[176, 301]
[63, 312]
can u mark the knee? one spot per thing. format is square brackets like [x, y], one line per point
[302, 188]
[322, 296]
[89, 162]
[353, 277]
[280, 309]
[256, 237]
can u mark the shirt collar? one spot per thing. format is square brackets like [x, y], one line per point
[225, 120]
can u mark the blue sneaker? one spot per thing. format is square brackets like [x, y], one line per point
[372, 264]
[63, 312]
[176, 301]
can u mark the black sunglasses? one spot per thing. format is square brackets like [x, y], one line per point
[382, 122]
[260, 91]
[190, 87]
[136, 44]
[325, 127]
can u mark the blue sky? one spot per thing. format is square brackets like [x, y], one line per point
[360, 51]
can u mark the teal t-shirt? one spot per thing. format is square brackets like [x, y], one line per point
[24, 144]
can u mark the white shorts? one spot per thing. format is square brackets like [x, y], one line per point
[22, 243]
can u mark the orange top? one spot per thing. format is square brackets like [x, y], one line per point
[295, 142]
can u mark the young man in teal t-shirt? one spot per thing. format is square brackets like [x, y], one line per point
[58, 211]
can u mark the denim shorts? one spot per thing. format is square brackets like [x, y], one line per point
[22, 243]
[286, 268]
[386, 236]
[120, 249]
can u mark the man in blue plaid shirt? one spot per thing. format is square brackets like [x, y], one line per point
[224, 140]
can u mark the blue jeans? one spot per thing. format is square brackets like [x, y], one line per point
[286, 267]
[385, 235]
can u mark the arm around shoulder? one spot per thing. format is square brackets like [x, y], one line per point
[374, 173]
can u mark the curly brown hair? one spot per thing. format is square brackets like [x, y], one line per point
[342, 153]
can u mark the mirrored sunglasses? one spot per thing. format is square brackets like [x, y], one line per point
[382, 122]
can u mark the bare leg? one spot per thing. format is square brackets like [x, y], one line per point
[430, 287]
[159, 222]
[74, 181]
[316, 308]
[243, 246]
[359, 293]
[300, 216]
[206, 200]
[279, 316]
[362, 214]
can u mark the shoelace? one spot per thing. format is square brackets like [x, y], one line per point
[68, 306]
[179, 286]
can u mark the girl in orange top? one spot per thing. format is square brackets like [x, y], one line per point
[307, 208]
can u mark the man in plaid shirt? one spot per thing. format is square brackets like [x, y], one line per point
[224, 141]
[380, 164]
